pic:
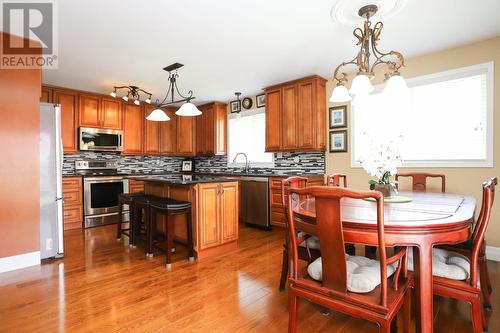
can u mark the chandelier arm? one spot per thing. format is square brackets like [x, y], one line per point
[336, 72]
[162, 103]
[393, 65]
[144, 91]
[190, 93]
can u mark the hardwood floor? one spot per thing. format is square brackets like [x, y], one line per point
[103, 286]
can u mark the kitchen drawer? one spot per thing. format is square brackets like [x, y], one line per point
[72, 184]
[276, 183]
[278, 218]
[72, 214]
[135, 186]
[72, 197]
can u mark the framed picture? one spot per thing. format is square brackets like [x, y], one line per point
[260, 100]
[338, 116]
[338, 141]
[235, 106]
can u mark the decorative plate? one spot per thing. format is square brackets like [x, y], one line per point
[247, 103]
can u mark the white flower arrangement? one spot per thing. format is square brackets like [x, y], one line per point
[382, 160]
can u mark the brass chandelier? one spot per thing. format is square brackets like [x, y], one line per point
[367, 40]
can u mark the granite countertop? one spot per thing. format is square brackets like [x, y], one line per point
[178, 179]
[216, 174]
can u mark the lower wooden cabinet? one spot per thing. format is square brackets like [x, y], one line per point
[72, 203]
[135, 186]
[278, 217]
[217, 209]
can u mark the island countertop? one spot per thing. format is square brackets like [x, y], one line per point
[178, 179]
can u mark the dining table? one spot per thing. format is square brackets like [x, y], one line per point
[420, 219]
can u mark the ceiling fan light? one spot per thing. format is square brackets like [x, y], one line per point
[340, 94]
[158, 115]
[113, 94]
[361, 85]
[136, 102]
[188, 110]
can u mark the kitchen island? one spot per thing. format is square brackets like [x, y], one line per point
[215, 208]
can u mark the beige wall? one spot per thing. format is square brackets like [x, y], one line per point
[466, 181]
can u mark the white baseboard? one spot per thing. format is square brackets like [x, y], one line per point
[20, 261]
[493, 253]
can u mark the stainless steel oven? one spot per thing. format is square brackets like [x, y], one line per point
[101, 187]
[98, 139]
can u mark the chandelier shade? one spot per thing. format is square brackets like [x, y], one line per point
[188, 110]
[396, 85]
[158, 115]
[340, 94]
[361, 85]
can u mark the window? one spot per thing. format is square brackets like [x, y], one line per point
[247, 134]
[445, 120]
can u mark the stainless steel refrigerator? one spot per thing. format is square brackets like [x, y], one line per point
[51, 159]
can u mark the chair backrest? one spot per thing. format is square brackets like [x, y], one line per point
[328, 227]
[481, 225]
[334, 179]
[419, 180]
[289, 183]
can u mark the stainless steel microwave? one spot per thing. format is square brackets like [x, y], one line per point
[97, 139]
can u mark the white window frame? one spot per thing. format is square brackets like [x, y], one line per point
[457, 73]
[230, 163]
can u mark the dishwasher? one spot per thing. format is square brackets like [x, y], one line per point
[254, 201]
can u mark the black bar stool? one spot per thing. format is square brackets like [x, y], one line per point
[169, 208]
[142, 209]
[127, 199]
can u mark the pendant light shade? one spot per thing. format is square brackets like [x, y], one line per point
[188, 110]
[340, 94]
[158, 115]
[361, 85]
[396, 85]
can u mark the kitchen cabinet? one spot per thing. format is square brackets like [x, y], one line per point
[151, 133]
[90, 111]
[101, 112]
[211, 130]
[68, 99]
[168, 134]
[277, 211]
[135, 186]
[186, 136]
[46, 96]
[133, 129]
[72, 203]
[273, 119]
[295, 115]
[111, 113]
[217, 204]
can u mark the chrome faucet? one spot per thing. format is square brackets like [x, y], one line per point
[247, 162]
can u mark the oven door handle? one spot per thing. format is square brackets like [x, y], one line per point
[103, 181]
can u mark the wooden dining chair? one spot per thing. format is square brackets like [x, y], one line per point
[353, 285]
[309, 248]
[419, 180]
[456, 271]
[335, 178]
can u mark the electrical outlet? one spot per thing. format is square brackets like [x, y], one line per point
[48, 244]
[296, 159]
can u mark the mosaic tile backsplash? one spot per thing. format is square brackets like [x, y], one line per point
[285, 163]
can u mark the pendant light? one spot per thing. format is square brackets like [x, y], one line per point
[368, 38]
[187, 109]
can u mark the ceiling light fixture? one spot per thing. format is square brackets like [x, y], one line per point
[187, 109]
[367, 39]
[132, 92]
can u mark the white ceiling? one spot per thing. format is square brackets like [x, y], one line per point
[238, 45]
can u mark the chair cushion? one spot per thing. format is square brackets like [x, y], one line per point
[312, 242]
[363, 274]
[446, 264]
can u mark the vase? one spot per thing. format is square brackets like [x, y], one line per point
[385, 189]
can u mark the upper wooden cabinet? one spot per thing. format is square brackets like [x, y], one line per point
[102, 112]
[168, 133]
[295, 115]
[133, 129]
[211, 130]
[151, 133]
[68, 100]
[186, 136]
